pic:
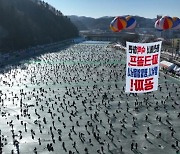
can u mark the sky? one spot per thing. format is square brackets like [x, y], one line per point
[100, 8]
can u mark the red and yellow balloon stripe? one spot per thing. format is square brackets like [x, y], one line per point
[167, 22]
[122, 22]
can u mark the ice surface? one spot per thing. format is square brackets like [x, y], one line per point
[60, 99]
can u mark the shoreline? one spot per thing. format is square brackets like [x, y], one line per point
[18, 57]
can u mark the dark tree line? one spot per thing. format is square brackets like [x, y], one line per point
[28, 23]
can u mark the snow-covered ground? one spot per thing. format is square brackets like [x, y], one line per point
[73, 101]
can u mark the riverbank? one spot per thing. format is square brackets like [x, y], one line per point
[16, 57]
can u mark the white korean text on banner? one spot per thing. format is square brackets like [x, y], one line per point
[142, 66]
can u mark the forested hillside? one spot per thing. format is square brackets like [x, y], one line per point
[25, 23]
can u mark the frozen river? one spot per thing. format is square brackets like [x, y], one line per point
[73, 101]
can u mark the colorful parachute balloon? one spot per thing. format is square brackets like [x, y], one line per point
[176, 23]
[131, 22]
[166, 22]
[157, 25]
[113, 25]
[118, 24]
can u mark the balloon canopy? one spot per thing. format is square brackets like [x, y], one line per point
[157, 25]
[166, 22]
[119, 23]
[176, 23]
[131, 22]
[128, 22]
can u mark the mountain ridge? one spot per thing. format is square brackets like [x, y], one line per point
[102, 23]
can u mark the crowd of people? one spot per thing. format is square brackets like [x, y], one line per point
[74, 102]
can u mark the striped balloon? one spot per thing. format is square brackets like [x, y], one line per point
[131, 22]
[118, 24]
[112, 25]
[166, 22]
[176, 23]
[157, 25]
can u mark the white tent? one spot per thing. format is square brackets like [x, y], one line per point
[167, 65]
[176, 69]
[119, 46]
